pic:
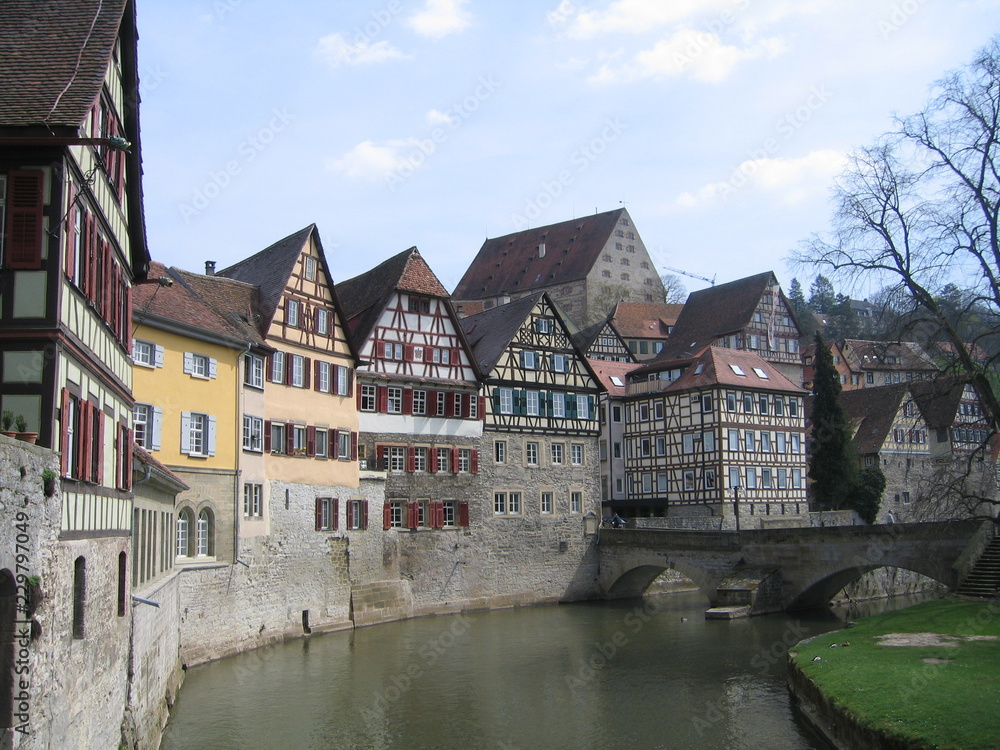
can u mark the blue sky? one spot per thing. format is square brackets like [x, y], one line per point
[719, 124]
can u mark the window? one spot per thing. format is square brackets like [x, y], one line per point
[253, 371]
[392, 350]
[616, 414]
[560, 363]
[395, 514]
[793, 407]
[531, 453]
[765, 479]
[292, 313]
[368, 395]
[661, 445]
[326, 513]
[357, 514]
[797, 479]
[531, 403]
[748, 403]
[279, 433]
[558, 401]
[199, 366]
[556, 451]
[395, 400]
[780, 439]
[418, 305]
[146, 353]
[734, 440]
[79, 596]
[782, 479]
[506, 400]
[507, 503]
[252, 499]
[779, 406]
[643, 412]
[323, 377]
[146, 424]
[750, 444]
[464, 460]
[689, 481]
[278, 367]
[869, 378]
[298, 371]
[439, 406]
[456, 404]
[323, 321]
[419, 402]
[751, 478]
[546, 507]
[203, 534]
[734, 477]
[310, 268]
[765, 442]
[420, 459]
[397, 458]
[688, 443]
[322, 443]
[344, 446]
[253, 434]
[500, 451]
[657, 410]
[795, 444]
[708, 442]
[709, 479]
[443, 459]
[529, 360]
[576, 454]
[300, 443]
[764, 405]
[582, 407]
[706, 402]
[576, 502]
[197, 434]
[343, 376]
[543, 325]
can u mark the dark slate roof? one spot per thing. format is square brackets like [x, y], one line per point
[490, 331]
[872, 410]
[270, 270]
[53, 58]
[584, 337]
[364, 297]
[713, 312]
[510, 264]
[938, 399]
[873, 355]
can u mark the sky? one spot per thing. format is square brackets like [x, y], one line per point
[719, 124]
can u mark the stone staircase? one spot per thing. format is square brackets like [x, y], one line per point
[984, 580]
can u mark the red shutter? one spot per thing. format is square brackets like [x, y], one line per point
[364, 514]
[99, 442]
[383, 399]
[382, 452]
[316, 365]
[437, 514]
[350, 514]
[64, 459]
[412, 514]
[432, 403]
[311, 441]
[24, 219]
[335, 514]
[432, 461]
[289, 439]
[449, 402]
[319, 514]
[467, 404]
[482, 408]
[411, 459]
[83, 441]
[387, 516]
[463, 512]
[333, 444]
[354, 446]
[289, 358]
[350, 381]
[454, 460]
[269, 366]
[359, 399]
[129, 442]
[267, 436]
[408, 352]
[306, 371]
[106, 281]
[70, 259]
[407, 401]
[474, 461]
[456, 359]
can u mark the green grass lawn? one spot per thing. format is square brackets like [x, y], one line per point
[936, 696]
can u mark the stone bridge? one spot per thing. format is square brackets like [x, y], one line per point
[773, 570]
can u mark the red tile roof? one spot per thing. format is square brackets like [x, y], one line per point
[607, 372]
[645, 319]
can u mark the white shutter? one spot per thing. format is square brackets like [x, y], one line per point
[132, 351]
[158, 356]
[213, 367]
[185, 431]
[156, 429]
[188, 362]
[211, 436]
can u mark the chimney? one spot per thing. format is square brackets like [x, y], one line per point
[210, 268]
[541, 250]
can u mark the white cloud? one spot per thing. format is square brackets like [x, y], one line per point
[699, 54]
[437, 117]
[793, 180]
[440, 18]
[630, 16]
[371, 161]
[335, 51]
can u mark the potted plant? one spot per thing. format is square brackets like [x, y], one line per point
[21, 424]
[7, 423]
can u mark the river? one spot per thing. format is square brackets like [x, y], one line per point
[650, 673]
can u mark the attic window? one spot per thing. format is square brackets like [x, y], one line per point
[738, 370]
[699, 369]
[760, 373]
[617, 381]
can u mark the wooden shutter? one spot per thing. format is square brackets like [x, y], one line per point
[448, 404]
[129, 450]
[211, 436]
[350, 514]
[98, 454]
[412, 514]
[289, 439]
[350, 381]
[482, 408]
[306, 371]
[411, 459]
[267, 436]
[335, 514]
[316, 378]
[382, 405]
[289, 358]
[185, 432]
[432, 460]
[188, 363]
[25, 201]
[311, 441]
[387, 516]
[364, 514]
[156, 429]
[83, 445]
[474, 461]
[454, 461]
[463, 512]
[354, 446]
[319, 514]
[70, 223]
[64, 459]
[269, 365]
[467, 404]
[407, 401]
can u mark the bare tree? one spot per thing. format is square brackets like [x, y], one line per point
[675, 291]
[920, 209]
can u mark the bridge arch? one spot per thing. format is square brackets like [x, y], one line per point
[825, 585]
[634, 574]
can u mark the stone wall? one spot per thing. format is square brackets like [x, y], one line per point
[156, 666]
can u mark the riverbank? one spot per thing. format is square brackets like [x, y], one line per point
[922, 677]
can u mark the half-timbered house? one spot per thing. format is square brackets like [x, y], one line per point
[645, 326]
[540, 438]
[750, 313]
[602, 341]
[718, 435]
[585, 265]
[611, 406]
[420, 410]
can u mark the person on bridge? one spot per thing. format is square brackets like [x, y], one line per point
[890, 517]
[618, 522]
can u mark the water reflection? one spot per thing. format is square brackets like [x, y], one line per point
[649, 673]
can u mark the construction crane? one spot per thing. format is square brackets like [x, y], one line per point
[692, 275]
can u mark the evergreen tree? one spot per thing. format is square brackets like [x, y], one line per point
[796, 298]
[868, 496]
[822, 297]
[832, 465]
